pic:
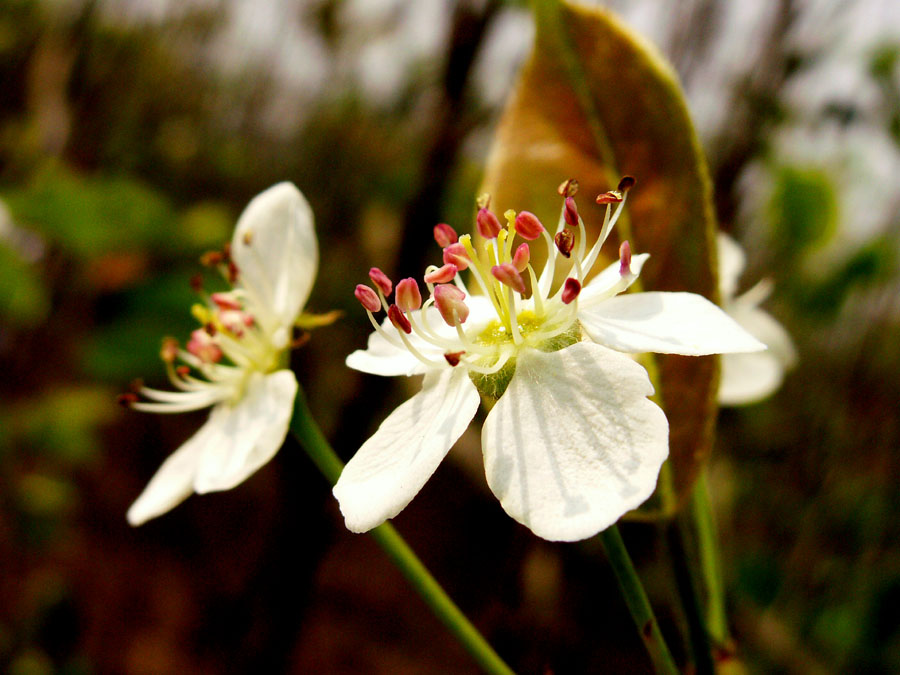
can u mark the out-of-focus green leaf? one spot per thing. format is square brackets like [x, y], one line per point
[42, 495]
[128, 347]
[64, 423]
[803, 210]
[24, 299]
[594, 102]
[91, 216]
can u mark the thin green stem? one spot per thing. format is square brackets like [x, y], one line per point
[710, 567]
[636, 599]
[323, 456]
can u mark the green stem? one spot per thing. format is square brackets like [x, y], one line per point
[710, 568]
[323, 456]
[636, 599]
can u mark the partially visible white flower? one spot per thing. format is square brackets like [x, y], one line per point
[236, 362]
[571, 442]
[749, 378]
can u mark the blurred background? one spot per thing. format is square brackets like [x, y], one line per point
[131, 136]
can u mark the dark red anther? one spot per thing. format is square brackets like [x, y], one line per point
[381, 280]
[126, 400]
[571, 212]
[571, 289]
[565, 242]
[445, 235]
[626, 184]
[453, 357]
[398, 318]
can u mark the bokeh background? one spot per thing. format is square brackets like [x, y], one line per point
[132, 134]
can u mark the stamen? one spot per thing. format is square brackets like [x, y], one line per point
[453, 358]
[367, 297]
[565, 242]
[488, 224]
[399, 319]
[521, 257]
[571, 211]
[408, 296]
[381, 280]
[625, 259]
[445, 235]
[449, 302]
[568, 188]
[442, 275]
[571, 289]
[508, 275]
[528, 226]
[456, 254]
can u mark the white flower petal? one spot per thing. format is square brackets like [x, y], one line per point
[668, 323]
[748, 378]
[393, 465]
[763, 326]
[247, 434]
[732, 261]
[275, 249]
[599, 287]
[574, 443]
[174, 481]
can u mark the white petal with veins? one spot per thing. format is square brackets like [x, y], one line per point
[668, 323]
[247, 434]
[393, 465]
[574, 443]
[275, 249]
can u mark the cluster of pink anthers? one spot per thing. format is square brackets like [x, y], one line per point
[527, 309]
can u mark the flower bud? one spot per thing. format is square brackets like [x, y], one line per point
[381, 280]
[521, 257]
[528, 226]
[571, 212]
[441, 275]
[408, 296]
[571, 289]
[565, 242]
[449, 301]
[445, 235]
[455, 254]
[398, 318]
[508, 275]
[488, 225]
[625, 259]
[367, 297]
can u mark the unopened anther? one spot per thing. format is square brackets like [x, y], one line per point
[521, 257]
[367, 297]
[528, 226]
[398, 318]
[453, 357]
[442, 275]
[445, 235]
[408, 296]
[449, 301]
[488, 224]
[507, 274]
[571, 212]
[626, 183]
[381, 280]
[455, 254]
[625, 259]
[571, 289]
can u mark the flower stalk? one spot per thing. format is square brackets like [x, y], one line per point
[636, 599]
[326, 460]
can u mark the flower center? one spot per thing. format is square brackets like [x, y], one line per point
[526, 309]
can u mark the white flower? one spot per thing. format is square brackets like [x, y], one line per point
[571, 442]
[748, 378]
[238, 357]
